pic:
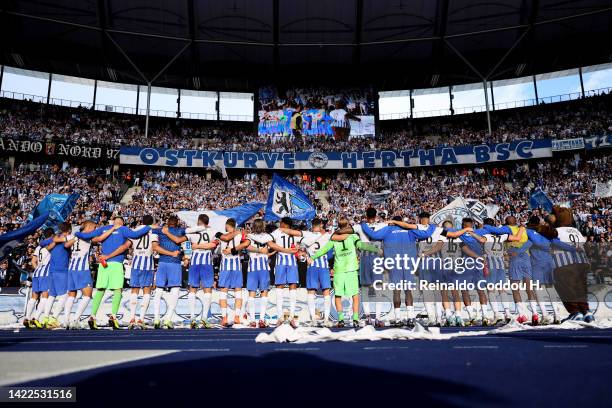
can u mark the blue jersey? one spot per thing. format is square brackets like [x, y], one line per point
[398, 241]
[60, 256]
[169, 245]
[115, 240]
[541, 247]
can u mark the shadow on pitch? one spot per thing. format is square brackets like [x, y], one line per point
[284, 378]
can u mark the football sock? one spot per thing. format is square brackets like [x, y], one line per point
[30, 308]
[251, 301]
[146, 298]
[48, 306]
[340, 316]
[263, 304]
[191, 300]
[133, 305]
[83, 302]
[238, 302]
[223, 297]
[172, 301]
[68, 308]
[206, 300]
[355, 315]
[157, 302]
[116, 301]
[311, 306]
[397, 313]
[61, 302]
[326, 306]
[292, 302]
[97, 299]
[410, 312]
[279, 303]
[41, 307]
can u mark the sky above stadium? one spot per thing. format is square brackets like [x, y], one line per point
[234, 106]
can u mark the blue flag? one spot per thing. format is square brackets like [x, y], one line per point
[242, 213]
[539, 199]
[57, 206]
[287, 200]
[11, 239]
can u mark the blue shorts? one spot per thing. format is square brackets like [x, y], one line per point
[366, 269]
[520, 271]
[141, 279]
[317, 278]
[58, 283]
[496, 275]
[201, 276]
[286, 274]
[258, 280]
[40, 284]
[398, 275]
[543, 272]
[168, 275]
[229, 279]
[79, 280]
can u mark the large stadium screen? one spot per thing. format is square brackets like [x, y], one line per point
[322, 112]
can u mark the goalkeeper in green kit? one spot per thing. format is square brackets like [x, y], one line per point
[346, 269]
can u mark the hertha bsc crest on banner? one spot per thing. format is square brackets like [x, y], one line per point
[287, 205]
[287, 200]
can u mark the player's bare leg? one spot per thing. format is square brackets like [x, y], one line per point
[409, 302]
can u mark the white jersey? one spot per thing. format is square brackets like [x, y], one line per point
[495, 250]
[79, 258]
[257, 261]
[313, 241]
[285, 241]
[142, 249]
[44, 256]
[201, 256]
[429, 243]
[452, 248]
[230, 262]
[570, 235]
[364, 238]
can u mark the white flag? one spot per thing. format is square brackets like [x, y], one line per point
[603, 190]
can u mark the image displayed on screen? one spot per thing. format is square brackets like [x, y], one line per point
[325, 112]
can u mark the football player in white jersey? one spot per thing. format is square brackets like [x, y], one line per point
[317, 274]
[230, 274]
[141, 273]
[571, 267]
[79, 274]
[40, 284]
[285, 270]
[258, 274]
[495, 252]
[201, 273]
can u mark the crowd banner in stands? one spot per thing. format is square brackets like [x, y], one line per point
[598, 142]
[68, 150]
[440, 156]
[568, 144]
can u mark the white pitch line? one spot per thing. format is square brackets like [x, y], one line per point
[298, 349]
[475, 347]
[570, 346]
[121, 341]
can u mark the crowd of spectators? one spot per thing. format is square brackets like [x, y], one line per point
[29, 120]
[569, 181]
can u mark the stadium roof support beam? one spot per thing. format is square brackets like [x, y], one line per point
[144, 77]
[358, 27]
[275, 33]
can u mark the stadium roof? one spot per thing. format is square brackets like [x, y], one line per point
[239, 44]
